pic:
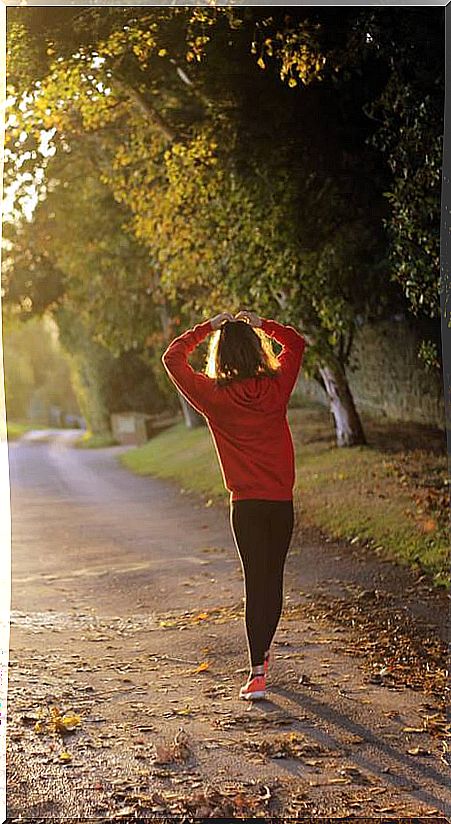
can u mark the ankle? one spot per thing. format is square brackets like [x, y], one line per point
[258, 669]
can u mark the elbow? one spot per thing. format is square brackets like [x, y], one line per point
[166, 362]
[169, 363]
[301, 343]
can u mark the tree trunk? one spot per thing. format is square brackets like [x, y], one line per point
[348, 426]
[191, 415]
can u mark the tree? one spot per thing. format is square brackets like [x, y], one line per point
[231, 171]
[104, 383]
[401, 52]
[76, 234]
[34, 363]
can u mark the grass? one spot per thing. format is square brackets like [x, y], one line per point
[391, 494]
[91, 440]
[180, 454]
[16, 429]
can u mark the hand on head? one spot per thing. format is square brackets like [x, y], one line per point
[249, 316]
[245, 314]
[218, 320]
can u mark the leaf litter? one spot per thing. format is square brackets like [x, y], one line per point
[237, 801]
[55, 722]
[210, 800]
[176, 751]
[288, 745]
[398, 651]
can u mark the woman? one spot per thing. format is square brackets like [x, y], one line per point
[243, 394]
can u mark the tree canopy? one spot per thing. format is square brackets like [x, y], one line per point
[284, 158]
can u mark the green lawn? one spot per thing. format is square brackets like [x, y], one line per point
[359, 494]
[90, 440]
[16, 430]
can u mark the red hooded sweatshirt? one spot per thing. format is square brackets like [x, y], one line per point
[247, 418]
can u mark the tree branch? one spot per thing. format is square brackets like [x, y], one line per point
[149, 113]
[282, 299]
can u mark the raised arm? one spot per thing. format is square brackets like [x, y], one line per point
[293, 345]
[195, 386]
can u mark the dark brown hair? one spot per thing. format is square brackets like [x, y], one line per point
[238, 350]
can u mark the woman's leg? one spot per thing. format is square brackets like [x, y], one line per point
[281, 523]
[250, 528]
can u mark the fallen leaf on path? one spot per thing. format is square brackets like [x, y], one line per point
[29, 720]
[177, 750]
[65, 756]
[305, 680]
[413, 729]
[57, 723]
[122, 813]
[355, 775]
[437, 725]
[164, 754]
[290, 745]
[202, 667]
[67, 723]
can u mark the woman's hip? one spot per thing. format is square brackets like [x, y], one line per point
[255, 515]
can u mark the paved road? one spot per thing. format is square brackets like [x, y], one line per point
[127, 605]
[117, 534]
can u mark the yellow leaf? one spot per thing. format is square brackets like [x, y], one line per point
[203, 666]
[162, 53]
[261, 63]
[69, 721]
[65, 756]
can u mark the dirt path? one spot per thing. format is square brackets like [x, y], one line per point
[127, 611]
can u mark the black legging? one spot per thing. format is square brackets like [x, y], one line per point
[262, 531]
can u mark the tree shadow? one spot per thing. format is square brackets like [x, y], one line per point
[416, 775]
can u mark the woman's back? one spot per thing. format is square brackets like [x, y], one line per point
[247, 417]
[253, 440]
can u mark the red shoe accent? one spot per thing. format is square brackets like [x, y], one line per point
[254, 688]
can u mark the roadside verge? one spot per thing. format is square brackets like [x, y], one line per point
[395, 500]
